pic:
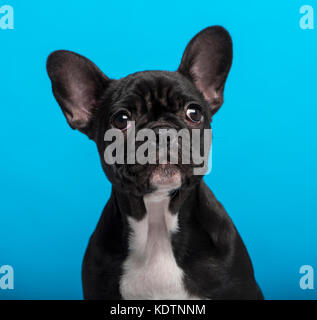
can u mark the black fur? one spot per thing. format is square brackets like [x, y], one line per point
[207, 247]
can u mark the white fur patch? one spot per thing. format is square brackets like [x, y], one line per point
[150, 271]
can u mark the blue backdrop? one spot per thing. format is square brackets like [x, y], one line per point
[52, 188]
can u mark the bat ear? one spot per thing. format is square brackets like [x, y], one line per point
[77, 85]
[206, 62]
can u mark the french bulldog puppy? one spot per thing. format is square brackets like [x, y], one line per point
[162, 234]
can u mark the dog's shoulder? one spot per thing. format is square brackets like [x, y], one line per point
[214, 219]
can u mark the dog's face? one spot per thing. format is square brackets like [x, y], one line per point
[182, 100]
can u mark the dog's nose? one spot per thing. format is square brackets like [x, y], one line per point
[161, 125]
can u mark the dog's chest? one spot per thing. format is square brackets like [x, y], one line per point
[150, 270]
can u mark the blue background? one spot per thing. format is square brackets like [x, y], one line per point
[52, 188]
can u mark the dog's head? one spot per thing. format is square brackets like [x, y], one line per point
[151, 104]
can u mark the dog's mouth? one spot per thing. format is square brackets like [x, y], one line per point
[166, 175]
[143, 179]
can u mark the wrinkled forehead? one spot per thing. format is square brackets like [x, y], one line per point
[155, 91]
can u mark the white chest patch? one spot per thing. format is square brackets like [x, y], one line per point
[150, 270]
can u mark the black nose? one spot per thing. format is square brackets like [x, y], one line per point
[161, 125]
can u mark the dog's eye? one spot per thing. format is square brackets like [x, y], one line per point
[193, 113]
[120, 120]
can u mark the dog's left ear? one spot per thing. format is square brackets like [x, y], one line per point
[206, 62]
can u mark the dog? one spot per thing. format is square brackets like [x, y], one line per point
[162, 234]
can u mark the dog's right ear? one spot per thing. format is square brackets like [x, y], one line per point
[77, 85]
